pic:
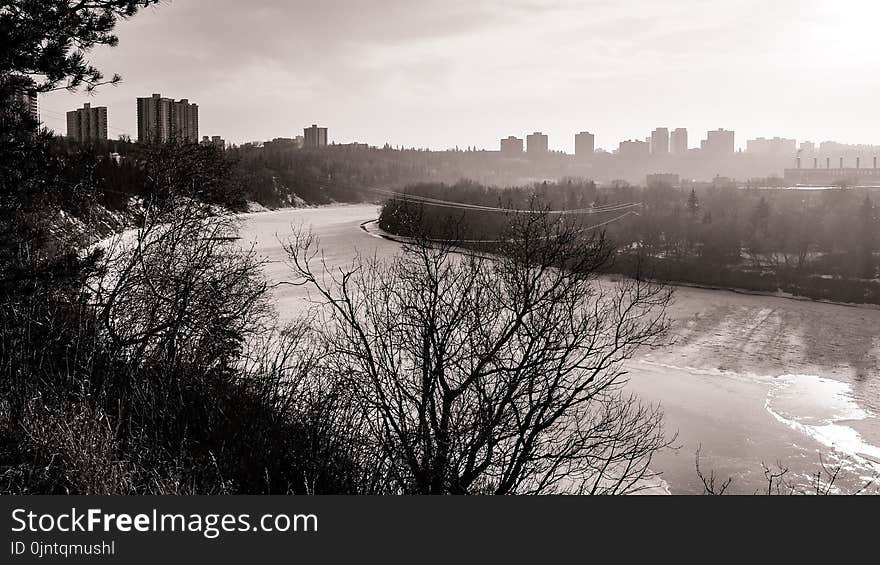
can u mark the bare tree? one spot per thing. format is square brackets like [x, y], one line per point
[710, 482]
[494, 374]
[179, 286]
[286, 367]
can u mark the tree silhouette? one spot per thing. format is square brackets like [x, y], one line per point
[44, 43]
[494, 374]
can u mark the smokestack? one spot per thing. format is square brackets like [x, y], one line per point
[858, 162]
[815, 162]
[798, 162]
[841, 162]
[827, 162]
[875, 162]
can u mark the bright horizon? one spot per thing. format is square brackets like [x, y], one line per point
[440, 74]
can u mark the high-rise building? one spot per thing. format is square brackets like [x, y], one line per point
[584, 144]
[163, 119]
[185, 121]
[660, 141]
[314, 136]
[512, 146]
[87, 123]
[536, 143]
[154, 119]
[719, 142]
[678, 141]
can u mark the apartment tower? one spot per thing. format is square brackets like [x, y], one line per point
[87, 123]
[161, 120]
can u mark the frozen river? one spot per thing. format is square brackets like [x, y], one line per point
[750, 378]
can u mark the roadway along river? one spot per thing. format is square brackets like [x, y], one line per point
[751, 379]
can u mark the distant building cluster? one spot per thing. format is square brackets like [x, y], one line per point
[660, 143]
[538, 144]
[159, 120]
[667, 158]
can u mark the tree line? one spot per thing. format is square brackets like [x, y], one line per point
[270, 176]
[821, 244]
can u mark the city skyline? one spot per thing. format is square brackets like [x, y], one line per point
[91, 123]
[434, 86]
[155, 124]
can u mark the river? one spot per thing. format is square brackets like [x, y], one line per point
[749, 379]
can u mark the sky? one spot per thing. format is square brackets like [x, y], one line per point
[446, 73]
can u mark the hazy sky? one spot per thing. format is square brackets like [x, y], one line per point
[441, 73]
